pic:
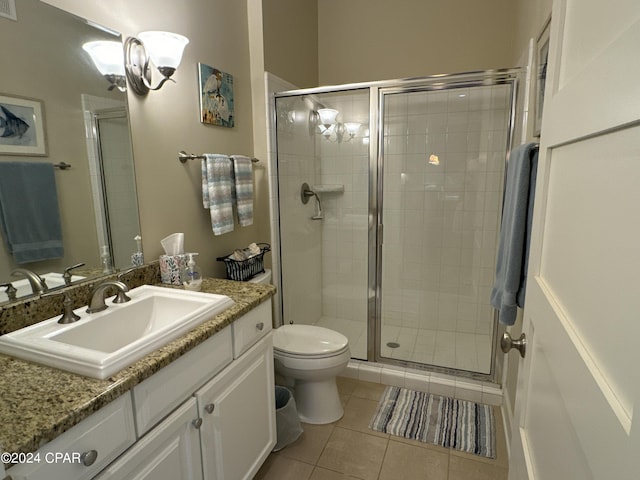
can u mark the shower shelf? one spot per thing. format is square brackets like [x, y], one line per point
[328, 188]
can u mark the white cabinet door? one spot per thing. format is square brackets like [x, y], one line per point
[575, 414]
[238, 412]
[168, 452]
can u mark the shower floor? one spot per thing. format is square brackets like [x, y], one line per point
[462, 351]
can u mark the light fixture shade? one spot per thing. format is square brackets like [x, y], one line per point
[107, 56]
[164, 48]
[327, 115]
[352, 128]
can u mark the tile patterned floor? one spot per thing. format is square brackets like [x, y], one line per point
[348, 450]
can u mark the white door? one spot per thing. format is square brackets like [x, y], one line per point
[170, 451]
[575, 412]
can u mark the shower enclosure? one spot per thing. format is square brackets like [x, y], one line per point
[392, 240]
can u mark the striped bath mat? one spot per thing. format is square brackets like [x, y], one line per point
[444, 421]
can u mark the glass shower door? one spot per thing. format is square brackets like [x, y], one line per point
[323, 240]
[443, 157]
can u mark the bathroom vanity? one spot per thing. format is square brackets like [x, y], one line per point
[203, 406]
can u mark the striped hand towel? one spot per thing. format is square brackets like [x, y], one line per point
[243, 174]
[217, 191]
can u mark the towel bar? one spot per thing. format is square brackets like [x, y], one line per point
[184, 156]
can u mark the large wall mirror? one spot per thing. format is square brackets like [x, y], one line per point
[85, 125]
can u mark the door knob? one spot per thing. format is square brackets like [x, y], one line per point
[507, 343]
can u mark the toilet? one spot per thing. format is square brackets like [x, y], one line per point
[310, 358]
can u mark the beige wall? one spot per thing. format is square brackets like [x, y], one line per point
[291, 40]
[363, 40]
[531, 16]
[167, 121]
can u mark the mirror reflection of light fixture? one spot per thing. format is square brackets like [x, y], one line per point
[326, 121]
[328, 116]
[352, 128]
[163, 49]
[108, 58]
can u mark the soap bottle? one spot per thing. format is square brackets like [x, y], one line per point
[191, 278]
[137, 258]
[105, 259]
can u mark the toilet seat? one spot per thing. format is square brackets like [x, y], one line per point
[308, 341]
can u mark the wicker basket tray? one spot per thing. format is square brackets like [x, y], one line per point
[242, 270]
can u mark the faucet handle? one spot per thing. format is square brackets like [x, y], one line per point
[68, 315]
[11, 291]
[121, 296]
[67, 273]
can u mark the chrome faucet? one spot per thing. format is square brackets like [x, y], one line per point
[38, 284]
[96, 302]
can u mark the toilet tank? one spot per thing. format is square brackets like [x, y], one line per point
[263, 278]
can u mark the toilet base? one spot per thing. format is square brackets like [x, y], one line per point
[318, 402]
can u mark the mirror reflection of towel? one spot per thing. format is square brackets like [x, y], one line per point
[29, 213]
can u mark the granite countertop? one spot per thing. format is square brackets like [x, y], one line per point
[38, 403]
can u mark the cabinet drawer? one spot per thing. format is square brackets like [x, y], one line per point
[158, 395]
[108, 433]
[250, 328]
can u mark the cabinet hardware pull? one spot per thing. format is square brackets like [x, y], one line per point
[197, 423]
[89, 458]
[210, 407]
[260, 326]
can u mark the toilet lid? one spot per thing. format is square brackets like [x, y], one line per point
[308, 340]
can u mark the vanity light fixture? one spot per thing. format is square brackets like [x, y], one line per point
[163, 49]
[108, 58]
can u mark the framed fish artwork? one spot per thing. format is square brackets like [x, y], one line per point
[22, 126]
[216, 96]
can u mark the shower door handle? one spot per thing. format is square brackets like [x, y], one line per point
[380, 233]
[507, 343]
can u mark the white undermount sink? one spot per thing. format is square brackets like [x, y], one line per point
[101, 344]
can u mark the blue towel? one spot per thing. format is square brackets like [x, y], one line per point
[217, 191]
[509, 288]
[29, 214]
[243, 177]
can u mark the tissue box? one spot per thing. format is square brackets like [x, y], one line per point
[170, 268]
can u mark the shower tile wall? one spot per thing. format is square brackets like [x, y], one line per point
[441, 218]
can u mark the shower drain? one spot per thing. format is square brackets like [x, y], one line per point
[393, 344]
